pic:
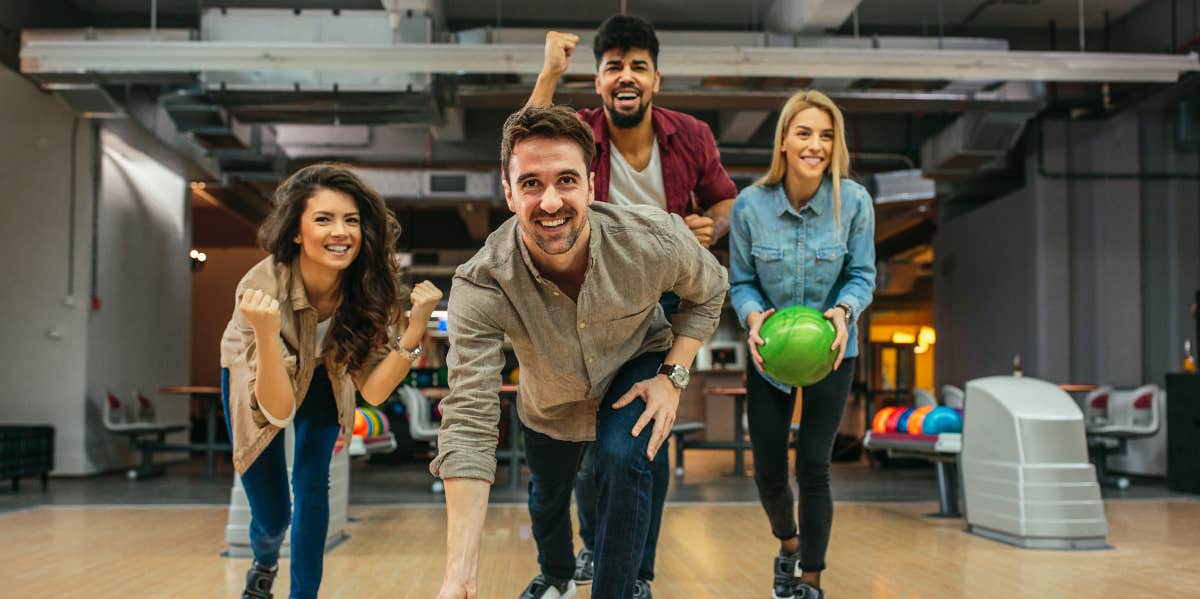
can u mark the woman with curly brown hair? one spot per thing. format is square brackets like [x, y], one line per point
[312, 324]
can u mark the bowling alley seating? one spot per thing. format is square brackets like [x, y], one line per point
[146, 433]
[952, 397]
[923, 398]
[421, 426]
[1113, 419]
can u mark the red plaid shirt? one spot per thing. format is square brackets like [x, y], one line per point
[691, 164]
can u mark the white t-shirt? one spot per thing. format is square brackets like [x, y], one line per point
[322, 331]
[627, 186]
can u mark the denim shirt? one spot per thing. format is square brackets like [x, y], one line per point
[780, 257]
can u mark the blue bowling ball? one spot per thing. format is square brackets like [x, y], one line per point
[942, 420]
[902, 423]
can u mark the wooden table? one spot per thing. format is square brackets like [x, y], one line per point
[739, 443]
[212, 395]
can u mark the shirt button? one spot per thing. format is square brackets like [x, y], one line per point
[589, 360]
[555, 293]
[583, 325]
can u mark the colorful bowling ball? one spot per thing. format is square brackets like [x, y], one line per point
[902, 422]
[360, 423]
[892, 420]
[387, 425]
[942, 420]
[374, 422]
[918, 417]
[796, 349]
[879, 423]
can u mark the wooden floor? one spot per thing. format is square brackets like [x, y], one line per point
[878, 551]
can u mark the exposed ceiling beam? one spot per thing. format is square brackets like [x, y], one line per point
[1012, 97]
[49, 57]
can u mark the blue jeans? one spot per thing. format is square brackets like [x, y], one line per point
[628, 502]
[266, 487]
[585, 482]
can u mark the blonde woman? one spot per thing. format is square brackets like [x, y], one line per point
[801, 235]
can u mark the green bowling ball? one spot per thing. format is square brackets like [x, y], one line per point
[796, 349]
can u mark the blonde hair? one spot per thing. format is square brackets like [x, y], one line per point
[839, 163]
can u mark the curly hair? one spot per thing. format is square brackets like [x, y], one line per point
[371, 289]
[624, 32]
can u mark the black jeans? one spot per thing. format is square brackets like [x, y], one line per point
[769, 411]
[628, 504]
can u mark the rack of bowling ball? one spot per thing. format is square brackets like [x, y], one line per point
[924, 420]
[372, 433]
[932, 433]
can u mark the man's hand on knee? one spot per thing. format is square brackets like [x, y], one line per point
[662, 401]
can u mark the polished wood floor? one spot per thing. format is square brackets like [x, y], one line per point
[879, 551]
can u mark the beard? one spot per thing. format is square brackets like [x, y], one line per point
[626, 120]
[555, 245]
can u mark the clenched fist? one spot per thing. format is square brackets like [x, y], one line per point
[559, 47]
[261, 310]
[425, 297]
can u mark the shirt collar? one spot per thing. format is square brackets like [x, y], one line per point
[663, 127]
[820, 201]
[299, 296]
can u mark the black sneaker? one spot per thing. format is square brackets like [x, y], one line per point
[787, 577]
[259, 580]
[808, 591]
[545, 587]
[641, 590]
[585, 566]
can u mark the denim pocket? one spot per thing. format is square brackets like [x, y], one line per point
[769, 263]
[827, 265]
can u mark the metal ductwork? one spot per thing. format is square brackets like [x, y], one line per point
[971, 143]
[809, 16]
[907, 185]
[437, 185]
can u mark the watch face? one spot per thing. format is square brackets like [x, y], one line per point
[679, 375]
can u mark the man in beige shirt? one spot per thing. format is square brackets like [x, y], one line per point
[575, 286]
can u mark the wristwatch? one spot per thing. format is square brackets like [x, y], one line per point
[411, 354]
[678, 375]
[848, 310]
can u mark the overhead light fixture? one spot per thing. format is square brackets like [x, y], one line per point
[48, 56]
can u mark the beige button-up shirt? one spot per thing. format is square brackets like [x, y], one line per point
[252, 432]
[569, 351]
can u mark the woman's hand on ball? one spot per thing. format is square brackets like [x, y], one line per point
[837, 316]
[754, 322]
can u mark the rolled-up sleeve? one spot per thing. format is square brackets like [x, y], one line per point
[239, 353]
[744, 290]
[471, 411]
[700, 282]
[859, 270]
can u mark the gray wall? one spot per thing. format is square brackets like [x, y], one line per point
[985, 295]
[1089, 278]
[140, 338]
[59, 355]
[44, 366]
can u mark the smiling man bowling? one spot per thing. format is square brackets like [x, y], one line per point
[576, 287]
